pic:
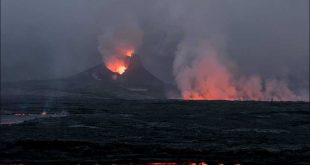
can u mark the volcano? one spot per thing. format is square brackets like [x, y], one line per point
[135, 83]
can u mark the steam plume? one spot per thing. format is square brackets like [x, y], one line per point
[203, 72]
[201, 75]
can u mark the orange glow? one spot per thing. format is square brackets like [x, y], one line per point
[129, 52]
[210, 77]
[121, 69]
[116, 66]
[118, 63]
[192, 95]
[211, 83]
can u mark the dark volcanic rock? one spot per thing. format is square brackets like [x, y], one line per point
[152, 130]
[135, 83]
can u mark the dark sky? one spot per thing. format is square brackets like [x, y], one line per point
[57, 38]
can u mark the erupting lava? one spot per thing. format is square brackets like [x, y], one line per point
[118, 45]
[117, 67]
[121, 69]
[119, 64]
[129, 52]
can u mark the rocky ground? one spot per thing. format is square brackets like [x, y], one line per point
[79, 129]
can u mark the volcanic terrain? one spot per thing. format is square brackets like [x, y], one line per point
[135, 83]
[107, 117]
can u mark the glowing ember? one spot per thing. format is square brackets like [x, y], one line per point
[129, 53]
[121, 69]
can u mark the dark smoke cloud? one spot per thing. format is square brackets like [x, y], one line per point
[55, 38]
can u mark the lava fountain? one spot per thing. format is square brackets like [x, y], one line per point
[118, 44]
[119, 63]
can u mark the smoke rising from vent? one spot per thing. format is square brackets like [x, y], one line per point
[119, 43]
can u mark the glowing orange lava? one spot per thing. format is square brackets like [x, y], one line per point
[121, 69]
[119, 63]
[117, 66]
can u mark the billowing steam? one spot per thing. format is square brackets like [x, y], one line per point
[202, 75]
[201, 68]
[118, 44]
[203, 72]
[212, 49]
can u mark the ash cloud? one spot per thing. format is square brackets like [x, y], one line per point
[262, 45]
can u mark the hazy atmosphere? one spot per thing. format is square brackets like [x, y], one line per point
[155, 82]
[229, 45]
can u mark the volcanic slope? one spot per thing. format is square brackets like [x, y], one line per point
[135, 83]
